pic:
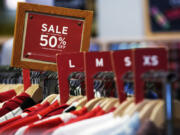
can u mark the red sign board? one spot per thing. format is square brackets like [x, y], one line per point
[122, 63]
[26, 79]
[95, 62]
[146, 60]
[68, 63]
[48, 35]
[42, 31]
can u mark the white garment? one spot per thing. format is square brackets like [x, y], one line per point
[128, 128]
[64, 117]
[76, 128]
[11, 114]
[106, 127]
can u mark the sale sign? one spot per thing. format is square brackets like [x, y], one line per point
[51, 35]
[42, 32]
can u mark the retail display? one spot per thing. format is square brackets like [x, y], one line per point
[82, 114]
[126, 91]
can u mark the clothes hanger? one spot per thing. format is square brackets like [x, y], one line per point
[49, 98]
[119, 111]
[1, 87]
[91, 103]
[135, 107]
[158, 114]
[110, 104]
[100, 103]
[35, 92]
[103, 102]
[19, 89]
[74, 99]
[146, 111]
[82, 102]
[6, 87]
[116, 104]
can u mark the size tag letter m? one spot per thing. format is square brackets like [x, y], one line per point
[99, 62]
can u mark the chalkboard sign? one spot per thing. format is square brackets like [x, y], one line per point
[162, 17]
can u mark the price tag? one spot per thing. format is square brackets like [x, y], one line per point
[122, 63]
[68, 63]
[146, 60]
[41, 32]
[95, 62]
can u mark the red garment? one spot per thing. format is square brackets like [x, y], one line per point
[31, 111]
[95, 112]
[37, 108]
[112, 109]
[12, 128]
[38, 128]
[13, 103]
[56, 111]
[7, 95]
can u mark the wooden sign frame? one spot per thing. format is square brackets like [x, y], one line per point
[149, 32]
[22, 9]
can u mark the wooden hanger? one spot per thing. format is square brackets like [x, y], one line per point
[158, 114]
[6, 87]
[110, 104]
[146, 111]
[82, 101]
[1, 86]
[73, 99]
[35, 92]
[19, 89]
[119, 111]
[100, 103]
[116, 104]
[104, 102]
[49, 98]
[135, 107]
[90, 104]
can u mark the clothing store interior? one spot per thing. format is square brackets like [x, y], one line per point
[89, 67]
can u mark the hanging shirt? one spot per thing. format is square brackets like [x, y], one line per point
[7, 95]
[27, 103]
[13, 103]
[88, 115]
[12, 128]
[128, 128]
[27, 112]
[104, 127]
[84, 124]
[40, 126]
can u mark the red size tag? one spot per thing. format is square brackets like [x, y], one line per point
[26, 78]
[95, 62]
[66, 64]
[122, 63]
[47, 35]
[146, 60]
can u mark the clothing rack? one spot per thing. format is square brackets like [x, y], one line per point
[103, 83]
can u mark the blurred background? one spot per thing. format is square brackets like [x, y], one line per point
[117, 25]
